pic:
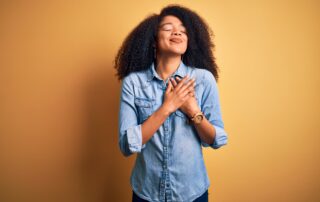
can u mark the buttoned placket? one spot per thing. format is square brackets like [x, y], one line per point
[165, 187]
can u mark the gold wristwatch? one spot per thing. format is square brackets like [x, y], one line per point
[197, 118]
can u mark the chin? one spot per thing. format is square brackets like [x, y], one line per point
[175, 52]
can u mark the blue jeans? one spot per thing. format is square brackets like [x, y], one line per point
[202, 198]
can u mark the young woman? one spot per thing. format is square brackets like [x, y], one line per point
[169, 107]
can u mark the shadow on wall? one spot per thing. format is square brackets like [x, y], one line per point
[104, 171]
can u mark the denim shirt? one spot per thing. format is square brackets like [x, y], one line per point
[170, 166]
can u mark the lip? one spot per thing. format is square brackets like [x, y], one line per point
[176, 40]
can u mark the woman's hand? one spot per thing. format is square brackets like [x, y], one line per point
[176, 95]
[190, 106]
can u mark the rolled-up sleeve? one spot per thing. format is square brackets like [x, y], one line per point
[212, 111]
[130, 136]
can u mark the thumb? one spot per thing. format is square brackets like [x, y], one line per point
[169, 87]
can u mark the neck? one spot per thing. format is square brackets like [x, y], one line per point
[167, 65]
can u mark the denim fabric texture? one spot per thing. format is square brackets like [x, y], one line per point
[203, 198]
[170, 166]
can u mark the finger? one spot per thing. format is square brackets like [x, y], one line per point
[185, 87]
[186, 97]
[180, 84]
[192, 87]
[191, 90]
[169, 87]
[178, 78]
[174, 83]
[186, 92]
[193, 94]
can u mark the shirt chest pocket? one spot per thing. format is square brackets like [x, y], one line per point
[144, 107]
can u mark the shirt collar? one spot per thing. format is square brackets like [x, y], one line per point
[181, 71]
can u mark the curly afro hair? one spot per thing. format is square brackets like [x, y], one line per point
[137, 51]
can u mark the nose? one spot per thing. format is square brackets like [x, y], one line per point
[176, 32]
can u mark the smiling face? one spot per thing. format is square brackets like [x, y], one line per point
[172, 36]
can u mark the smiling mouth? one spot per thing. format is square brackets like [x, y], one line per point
[176, 40]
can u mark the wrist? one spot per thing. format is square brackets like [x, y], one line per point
[197, 118]
[192, 112]
[166, 110]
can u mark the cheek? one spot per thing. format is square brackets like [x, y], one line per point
[186, 40]
[162, 39]
[161, 43]
[186, 44]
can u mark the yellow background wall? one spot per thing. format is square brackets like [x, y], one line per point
[59, 99]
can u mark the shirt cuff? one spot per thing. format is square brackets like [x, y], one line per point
[134, 136]
[220, 139]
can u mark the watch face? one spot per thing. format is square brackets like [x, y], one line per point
[198, 118]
